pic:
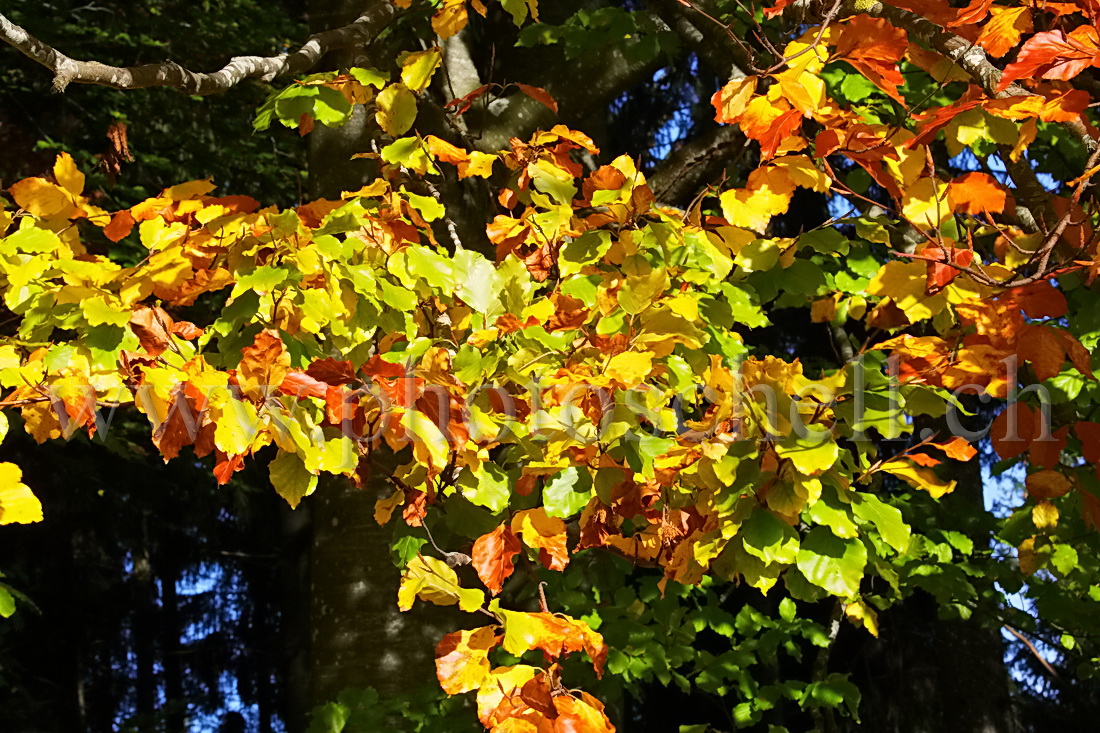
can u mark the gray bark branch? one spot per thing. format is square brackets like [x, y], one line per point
[67, 70]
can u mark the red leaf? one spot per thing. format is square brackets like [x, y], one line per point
[493, 555]
[1089, 435]
[1014, 430]
[332, 371]
[540, 95]
[1054, 55]
[300, 384]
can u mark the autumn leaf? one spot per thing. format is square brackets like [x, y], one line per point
[874, 47]
[977, 193]
[462, 659]
[543, 533]
[1001, 34]
[1044, 485]
[264, 365]
[553, 634]
[731, 100]
[540, 95]
[1053, 55]
[493, 555]
[152, 326]
[432, 580]
[919, 477]
[18, 504]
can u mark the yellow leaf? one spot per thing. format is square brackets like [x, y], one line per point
[41, 422]
[731, 100]
[1044, 515]
[823, 310]
[236, 427]
[41, 198]
[396, 109]
[432, 580]
[752, 209]
[925, 203]
[430, 446]
[417, 68]
[804, 173]
[631, 367]
[384, 508]
[68, 175]
[1028, 130]
[18, 505]
[450, 19]
[919, 477]
[462, 659]
[859, 612]
[501, 682]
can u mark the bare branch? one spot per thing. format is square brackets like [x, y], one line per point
[67, 70]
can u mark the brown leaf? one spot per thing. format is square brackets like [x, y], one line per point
[151, 326]
[118, 151]
[186, 330]
[264, 365]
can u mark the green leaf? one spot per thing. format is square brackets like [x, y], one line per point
[290, 478]
[7, 602]
[568, 493]
[769, 538]
[1064, 559]
[490, 487]
[887, 520]
[832, 563]
[477, 281]
[809, 455]
[584, 250]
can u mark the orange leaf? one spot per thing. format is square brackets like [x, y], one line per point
[1047, 452]
[977, 193]
[769, 123]
[120, 227]
[553, 634]
[1041, 346]
[540, 95]
[492, 556]
[545, 534]
[1039, 300]
[873, 46]
[151, 326]
[264, 365]
[186, 330]
[1053, 55]
[1003, 30]
[731, 100]
[958, 449]
[1077, 353]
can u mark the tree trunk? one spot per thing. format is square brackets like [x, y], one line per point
[927, 675]
[358, 638]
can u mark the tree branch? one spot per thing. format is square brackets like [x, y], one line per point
[969, 56]
[695, 164]
[67, 70]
